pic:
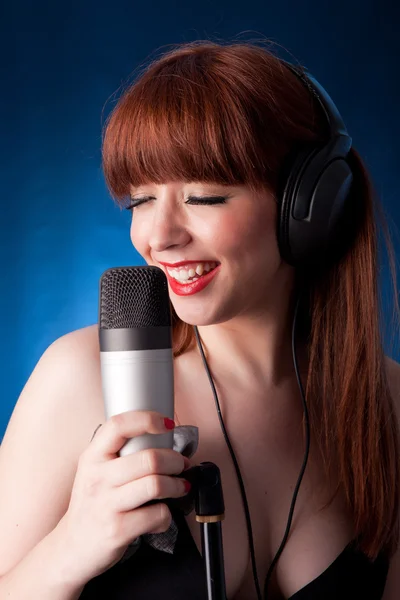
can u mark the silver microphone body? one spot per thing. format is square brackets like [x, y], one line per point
[136, 354]
[139, 380]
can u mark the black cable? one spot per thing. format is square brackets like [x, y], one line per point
[306, 453]
[241, 485]
[243, 492]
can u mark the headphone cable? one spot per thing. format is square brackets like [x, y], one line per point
[306, 453]
[239, 477]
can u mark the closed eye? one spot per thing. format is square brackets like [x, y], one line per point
[135, 202]
[206, 200]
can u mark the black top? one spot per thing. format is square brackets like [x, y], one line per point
[151, 574]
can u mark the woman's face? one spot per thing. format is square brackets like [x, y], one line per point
[216, 244]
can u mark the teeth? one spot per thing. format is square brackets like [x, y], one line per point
[183, 275]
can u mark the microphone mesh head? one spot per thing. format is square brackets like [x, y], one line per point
[134, 297]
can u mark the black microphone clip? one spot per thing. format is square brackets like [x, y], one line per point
[206, 491]
[208, 498]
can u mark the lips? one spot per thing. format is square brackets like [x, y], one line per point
[195, 286]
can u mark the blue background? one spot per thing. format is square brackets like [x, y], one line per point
[61, 66]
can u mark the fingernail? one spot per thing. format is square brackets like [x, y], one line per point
[187, 485]
[187, 462]
[169, 423]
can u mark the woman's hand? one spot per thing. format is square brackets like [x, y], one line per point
[106, 511]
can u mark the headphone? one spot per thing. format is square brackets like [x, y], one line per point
[312, 210]
[316, 193]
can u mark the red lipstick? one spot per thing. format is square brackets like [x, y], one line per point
[195, 286]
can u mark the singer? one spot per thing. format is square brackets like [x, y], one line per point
[246, 191]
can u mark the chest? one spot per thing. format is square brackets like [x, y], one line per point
[268, 498]
[268, 444]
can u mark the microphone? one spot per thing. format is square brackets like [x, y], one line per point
[137, 374]
[136, 348]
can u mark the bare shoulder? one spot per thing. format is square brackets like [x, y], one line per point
[66, 379]
[68, 369]
[51, 425]
[85, 338]
[392, 589]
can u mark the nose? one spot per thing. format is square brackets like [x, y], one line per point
[168, 228]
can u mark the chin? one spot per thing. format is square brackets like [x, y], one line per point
[200, 320]
[201, 317]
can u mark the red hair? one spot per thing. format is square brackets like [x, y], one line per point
[234, 114]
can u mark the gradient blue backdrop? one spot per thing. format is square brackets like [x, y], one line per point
[62, 63]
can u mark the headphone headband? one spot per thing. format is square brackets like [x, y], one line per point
[333, 117]
[316, 193]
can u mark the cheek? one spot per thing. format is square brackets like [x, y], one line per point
[138, 237]
[133, 234]
[245, 232]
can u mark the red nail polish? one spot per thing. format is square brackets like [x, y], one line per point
[169, 423]
[188, 485]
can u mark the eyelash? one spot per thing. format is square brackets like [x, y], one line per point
[191, 200]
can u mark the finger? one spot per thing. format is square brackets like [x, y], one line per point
[119, 428]
[151, 519]
[161, 461]
[153, 487]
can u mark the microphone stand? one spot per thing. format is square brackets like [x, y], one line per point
[209, 508]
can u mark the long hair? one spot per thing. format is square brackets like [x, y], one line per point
[234, 114]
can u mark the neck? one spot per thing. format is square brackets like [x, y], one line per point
[255, 350]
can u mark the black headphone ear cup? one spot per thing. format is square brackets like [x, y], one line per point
[288, 197]
[314, 206]
[315, 196]
[330, 225]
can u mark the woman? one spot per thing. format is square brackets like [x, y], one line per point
[202, 145]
